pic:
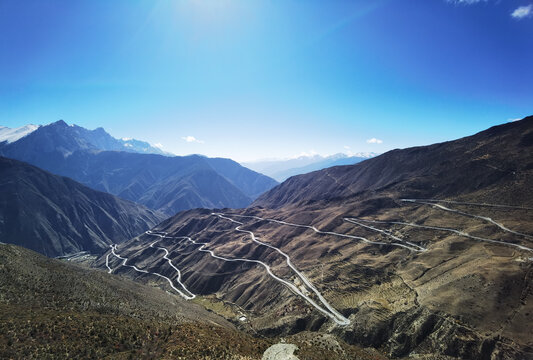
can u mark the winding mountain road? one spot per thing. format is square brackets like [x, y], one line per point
[338, 317]
[114, 247]
[107, 264]
[417, 248]
[458, 232]
[413, 246]
[178, 278]
[485, 218]
[470, 203]
[322, 305]
[340, 320]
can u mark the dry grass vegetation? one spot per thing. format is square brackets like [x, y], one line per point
[50, 309]
[318, 346]
[48, 334]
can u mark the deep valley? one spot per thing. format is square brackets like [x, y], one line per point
[446, 272]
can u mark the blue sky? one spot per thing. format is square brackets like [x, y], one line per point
[262, 79]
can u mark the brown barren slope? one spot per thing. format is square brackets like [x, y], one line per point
[426, 277]
[55, 310]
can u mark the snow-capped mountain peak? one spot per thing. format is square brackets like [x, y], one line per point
[13, 134]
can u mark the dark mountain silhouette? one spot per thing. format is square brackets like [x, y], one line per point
[56, 216]
[166, 183]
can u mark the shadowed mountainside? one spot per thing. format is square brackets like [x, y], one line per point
[165, 183]
[56, 216]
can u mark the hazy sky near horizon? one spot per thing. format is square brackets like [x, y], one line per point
[264, 79]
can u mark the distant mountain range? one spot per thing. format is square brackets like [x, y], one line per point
[164, 183]
[11, 135]
[285, 168]
[97, 139]
[55, 215]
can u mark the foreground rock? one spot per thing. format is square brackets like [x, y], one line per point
[281, 352]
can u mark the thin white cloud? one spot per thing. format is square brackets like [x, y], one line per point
[523, 12]
[346, 147]
[374, 141]
[309, 153]
[158, 145]
[192, 139]
[466, 2]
